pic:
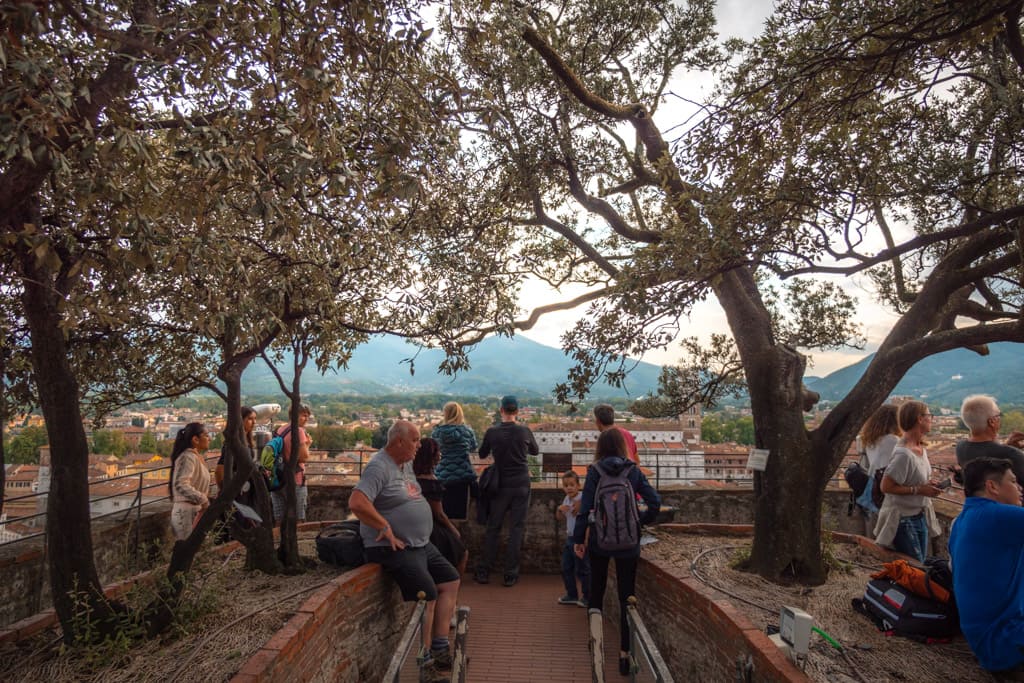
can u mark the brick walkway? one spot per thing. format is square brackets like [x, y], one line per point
[521, 634]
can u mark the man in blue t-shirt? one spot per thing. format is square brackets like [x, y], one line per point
[987, 547]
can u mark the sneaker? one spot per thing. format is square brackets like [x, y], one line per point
[583, 602]
[566, 600]
[482, 576]
[431, 673]
[442, 658]
[510, 580]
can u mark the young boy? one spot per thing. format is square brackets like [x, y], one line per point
[572, 567]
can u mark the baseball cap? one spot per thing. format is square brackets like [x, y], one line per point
[509, 404]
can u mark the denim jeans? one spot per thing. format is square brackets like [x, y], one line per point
[912, 537]
[575, 568]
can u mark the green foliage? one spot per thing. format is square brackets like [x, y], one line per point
[101, 643]
[740, 558]
[363, 435]
[24, 448]
[1013, 421]
[715, 428]
[148, 443]
[380, 435]
[534, 464]
[109, 442]
[332, 438]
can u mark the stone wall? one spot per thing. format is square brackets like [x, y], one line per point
[327, 639]
[542, 542]
[120, 548]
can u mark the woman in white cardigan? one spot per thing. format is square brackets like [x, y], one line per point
[190, 479]
[906, 517]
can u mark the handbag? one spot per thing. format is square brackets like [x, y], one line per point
[876, 490]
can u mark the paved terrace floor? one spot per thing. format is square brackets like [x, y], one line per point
[522, 635]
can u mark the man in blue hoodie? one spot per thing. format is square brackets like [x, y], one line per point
[987, 547]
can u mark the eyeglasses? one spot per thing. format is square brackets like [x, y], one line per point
[995, 416]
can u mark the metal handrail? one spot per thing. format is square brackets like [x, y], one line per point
[595, 623]
[137, 503]
[642, 643]
[460, 660]
[414, 627]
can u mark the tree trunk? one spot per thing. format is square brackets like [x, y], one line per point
[789, 493]
[73, 579]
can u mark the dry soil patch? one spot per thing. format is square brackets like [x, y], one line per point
[876, 657]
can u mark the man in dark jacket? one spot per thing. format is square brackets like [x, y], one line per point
[510, 443]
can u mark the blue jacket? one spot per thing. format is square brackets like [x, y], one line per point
[640, 485]
[457, 441]
[987, 547]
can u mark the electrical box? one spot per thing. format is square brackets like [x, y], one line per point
[795, 629]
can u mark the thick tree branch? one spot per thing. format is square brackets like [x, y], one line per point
[529, 322]
[542, 218]
[1013, 38]
[865, 262]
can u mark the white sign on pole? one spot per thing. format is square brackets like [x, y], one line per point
[758, 459]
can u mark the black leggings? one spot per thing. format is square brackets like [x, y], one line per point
[625, 579]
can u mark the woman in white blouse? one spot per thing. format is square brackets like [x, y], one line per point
[190, 479]
[906, 517]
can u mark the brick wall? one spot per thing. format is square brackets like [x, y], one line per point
[700, 636]
[327, 639]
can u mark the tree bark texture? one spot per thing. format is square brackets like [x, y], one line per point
[789, 493]
[74, 582]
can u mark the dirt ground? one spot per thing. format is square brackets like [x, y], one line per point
[868, 656]
[219, 593]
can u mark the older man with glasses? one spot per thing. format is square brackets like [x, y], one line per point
[981, 415]
[395, 522]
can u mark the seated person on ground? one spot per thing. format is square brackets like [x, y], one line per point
[987, 548]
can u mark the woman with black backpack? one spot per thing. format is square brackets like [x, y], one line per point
[610, 519]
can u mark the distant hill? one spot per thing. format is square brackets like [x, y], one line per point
[499, 366]
[944, 379]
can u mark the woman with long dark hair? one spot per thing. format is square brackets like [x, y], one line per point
[247, 496]
[190, 480]
[445, 536]
[906, 517]
[612, 460]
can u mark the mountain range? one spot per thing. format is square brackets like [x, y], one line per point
[945, 378]
[517, 365]
[499, 365]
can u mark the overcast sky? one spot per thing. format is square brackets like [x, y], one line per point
[740, 18]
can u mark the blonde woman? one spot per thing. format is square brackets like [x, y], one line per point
[906, 517]
[190, 479]
[457, 441]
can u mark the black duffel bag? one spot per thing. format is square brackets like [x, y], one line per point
[340, 544]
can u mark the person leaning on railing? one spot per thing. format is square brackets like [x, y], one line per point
[190, 479]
